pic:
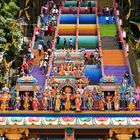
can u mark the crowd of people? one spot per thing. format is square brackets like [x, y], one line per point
[67, 44]
[94, 59]
[46, 28]
[108, 13]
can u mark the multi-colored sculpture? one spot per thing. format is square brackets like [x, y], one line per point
[5, 98]
[17, 101]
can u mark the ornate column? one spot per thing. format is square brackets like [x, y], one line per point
[123, 133]
[14, 133]
[69, 134]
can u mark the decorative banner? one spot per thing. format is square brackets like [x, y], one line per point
[21, 28]
[6, 64]
[27, 15]
[27, 1]
[6, 47]
[129, 1]
[20, 12]
[14, 23]
[138, 44]
[14, 41]
[128, 15]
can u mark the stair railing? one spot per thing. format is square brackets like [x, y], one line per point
[99, 38]
[77, 27]
[124, 44]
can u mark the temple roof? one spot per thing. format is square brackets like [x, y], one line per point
[27, 79]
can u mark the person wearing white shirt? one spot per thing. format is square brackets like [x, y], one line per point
[107, 19]
[40, 49]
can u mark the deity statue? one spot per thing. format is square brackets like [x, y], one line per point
[57, 102]
[35, 103]
[109, 101]
[84, 99]
[26, 101]
[78, 101]
[95, 98]
[17, 102]
[125, 84]
[5, 98]
[101, 102]
[132, 102]
[45, 102]
[90, 102]
[116, 100]
[51, 99]
[68, 96]
[67, 103]
[137, 98]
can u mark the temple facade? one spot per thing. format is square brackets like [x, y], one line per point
[80, 86]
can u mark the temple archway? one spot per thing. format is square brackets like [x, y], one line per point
[67, 84]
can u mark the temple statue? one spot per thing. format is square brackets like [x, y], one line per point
[84, 99]
[35, 103]
[26, 101]
[90, 102]
[101, 102]
[109, 101]
[67, 92]
[57, 101]
[131, 104]
[5, 98]
[17, 102]
[51, 99]
[137, 98]
[116, 100]
[45, 102]
[78, 101]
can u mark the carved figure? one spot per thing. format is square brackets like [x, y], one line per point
[132, 102]
[17, 102]
[26, 101]
[101, 102]
[35, 103]
[78, 101]
[109, 101]
[90, 102]
[45, 102]
[116, 100]
[57, 102]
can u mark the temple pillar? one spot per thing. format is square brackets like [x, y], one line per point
[123, 133]
[69, 134]
[14, 133]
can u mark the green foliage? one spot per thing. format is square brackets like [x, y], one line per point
[9, 29]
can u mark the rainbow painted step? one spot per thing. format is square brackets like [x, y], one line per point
[117, 71]
[84, 29]
[83, 19]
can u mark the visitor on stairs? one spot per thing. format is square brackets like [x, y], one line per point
[58, 39]
[107, 10]
[86, 10]
[107, 19]
[44, 67]
[71, 43]
[41, 64]
[40, 49]
[65, 43]
[41, 41]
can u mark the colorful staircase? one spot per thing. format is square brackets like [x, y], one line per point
[36, 73]
[114, 63]
[113, 58]
[117, 71]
